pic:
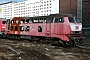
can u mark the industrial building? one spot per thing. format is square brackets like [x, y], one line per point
[28, 8]
[37, 8]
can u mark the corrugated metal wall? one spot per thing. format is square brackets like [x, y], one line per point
[86, 12]
[68, 6]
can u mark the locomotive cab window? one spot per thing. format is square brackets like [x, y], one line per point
[16, 28]
[3, 22]
[12, 22]
[39, 28]
[16, 21]
[27, 21]
[22, 21]
[11, 28]
[26, 28]
[77, 20]
[21, 28]
[30, 21]
[59, 20]
[71, 19]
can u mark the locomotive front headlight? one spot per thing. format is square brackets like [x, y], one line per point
[71, 32]
[80, 32]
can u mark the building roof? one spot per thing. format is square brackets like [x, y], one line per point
[7, 2]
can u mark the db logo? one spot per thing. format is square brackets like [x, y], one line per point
[77, 27]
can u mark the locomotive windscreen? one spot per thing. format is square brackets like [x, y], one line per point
[72, 20]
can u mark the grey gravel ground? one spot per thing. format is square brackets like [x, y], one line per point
[24, 50]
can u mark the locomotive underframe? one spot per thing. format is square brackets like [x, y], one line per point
[51, 40]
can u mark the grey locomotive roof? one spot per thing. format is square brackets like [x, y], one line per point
[48, 18]
[51, 16]
[62, 15]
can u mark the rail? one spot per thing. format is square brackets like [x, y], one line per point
[85, 28]
[83, 46]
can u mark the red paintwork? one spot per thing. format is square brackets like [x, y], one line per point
[6, 29]
[34, 30]
[2, 26]
[58, 30]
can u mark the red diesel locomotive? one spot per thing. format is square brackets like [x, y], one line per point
[2, 26]
[55, 28]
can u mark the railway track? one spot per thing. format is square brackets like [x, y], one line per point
[22, 50]
[83, 46]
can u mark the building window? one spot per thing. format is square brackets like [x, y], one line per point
[44, 1]
[47, 1]
[50, 10]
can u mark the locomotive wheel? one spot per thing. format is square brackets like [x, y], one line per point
[81, 41]
[60, 43]
[7, 36]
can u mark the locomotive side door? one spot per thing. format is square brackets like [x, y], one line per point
[57, 27]
[48, 29]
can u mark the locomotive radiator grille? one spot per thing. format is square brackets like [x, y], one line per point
[76, 32]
